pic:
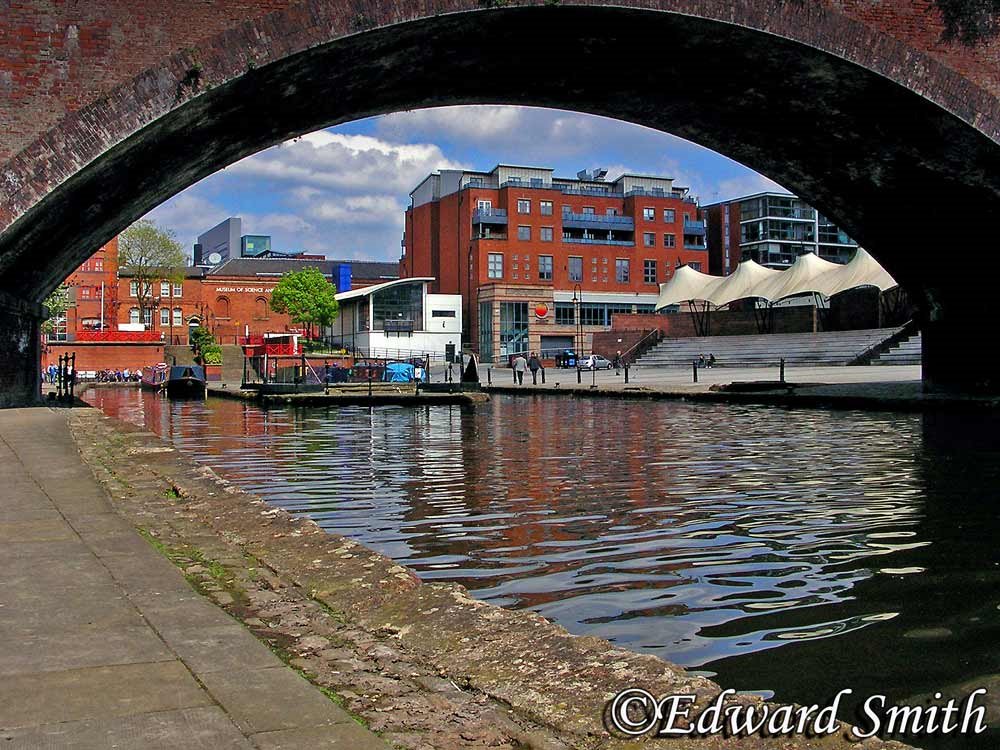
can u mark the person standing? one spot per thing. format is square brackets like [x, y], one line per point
[534, 364]
[520, 365]
[618, 362]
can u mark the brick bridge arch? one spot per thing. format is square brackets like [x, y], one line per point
[858, 107]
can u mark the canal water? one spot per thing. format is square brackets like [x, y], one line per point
[788, 552]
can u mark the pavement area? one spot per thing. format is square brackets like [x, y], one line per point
[103, 644]
[905, 377]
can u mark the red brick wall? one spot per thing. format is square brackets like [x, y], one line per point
[723, 322]
[104, 356]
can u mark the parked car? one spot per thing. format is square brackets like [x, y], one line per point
[596, 362]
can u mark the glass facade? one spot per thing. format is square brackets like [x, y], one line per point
[400, 307]
[486, 331]
[565, 314]
[599, 313]
[513, 327]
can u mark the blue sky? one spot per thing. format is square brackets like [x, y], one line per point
[342, 191]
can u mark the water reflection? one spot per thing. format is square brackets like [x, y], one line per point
[857, 544]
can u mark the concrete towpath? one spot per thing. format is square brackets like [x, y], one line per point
[103, 644]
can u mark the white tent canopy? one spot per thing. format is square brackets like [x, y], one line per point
[809, 274]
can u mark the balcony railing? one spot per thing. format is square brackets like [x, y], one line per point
[493, 236]
[696, 228]
[119, 336]
[652, 193]
[588, 241]
[530, 184]
[694, 246]
[489, 216]
[604, 221]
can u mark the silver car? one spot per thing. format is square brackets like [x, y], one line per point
[596, 362]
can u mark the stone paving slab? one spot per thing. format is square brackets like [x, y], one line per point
[271, 699]
[104, 644]
[97, 692]
[206, 727]
[340, 737]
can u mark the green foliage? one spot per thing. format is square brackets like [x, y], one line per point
[150, 254]
[55, 305]
[201, 338]
[211, 355]
[307, 297]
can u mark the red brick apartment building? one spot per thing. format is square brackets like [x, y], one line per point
[543, 262]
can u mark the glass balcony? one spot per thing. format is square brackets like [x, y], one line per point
[694, 228]
[598, 221]
[489, 216]
[597, 241]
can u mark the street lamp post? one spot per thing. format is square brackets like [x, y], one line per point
[578, 346]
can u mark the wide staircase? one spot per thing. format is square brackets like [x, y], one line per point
[825, 348]
[232, 363]
[906, 352]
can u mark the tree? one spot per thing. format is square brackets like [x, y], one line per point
[150, 254]
[55, 305]
[307, 297]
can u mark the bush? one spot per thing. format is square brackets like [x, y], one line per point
[211, 354]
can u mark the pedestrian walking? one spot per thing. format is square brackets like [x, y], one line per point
[520, 366]
[618, 362]
[534, 364]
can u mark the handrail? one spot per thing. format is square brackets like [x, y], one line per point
[654, 333]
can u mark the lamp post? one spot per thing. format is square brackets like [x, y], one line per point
[577, 299]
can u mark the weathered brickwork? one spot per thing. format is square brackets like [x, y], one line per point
[76, 78]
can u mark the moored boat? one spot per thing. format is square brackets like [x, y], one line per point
[186, 380]
[154, 376]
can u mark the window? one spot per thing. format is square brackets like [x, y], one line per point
[398, 309]
[99, 264]
[593, 314]
[513, 327]
[545, 207]
[260, 308]
[565, 314]
[494, 266]
[669, 240]
[147, 317]
[486, 331]
[133, 316]
[178, 289]
[164, 316]
[695, 265]
[621, 270]
[545, 234]
[588, 210]
[178, 316]
[442, 313]
[649, 213]
[545, 267]
[524, 233]
[524, 207]
[164, 288]
[133, 290]
[649, 271]
[485, 207]
[575, 268]
[611, 212]
[669, 217]
[649, 239]
[84, 292]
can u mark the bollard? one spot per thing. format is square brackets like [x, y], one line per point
[579, 377]
[694, 368]
[489, 376]
[513, 374]
[543, 376]
[782, 376]
[626, 373]
[369, 383]
[593, 378]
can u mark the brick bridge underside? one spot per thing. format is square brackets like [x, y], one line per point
[862, 109]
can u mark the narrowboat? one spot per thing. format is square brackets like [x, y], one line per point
[154, 377]
[186, 380]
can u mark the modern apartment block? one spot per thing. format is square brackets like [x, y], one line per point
[772, 229]
[541, 262]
